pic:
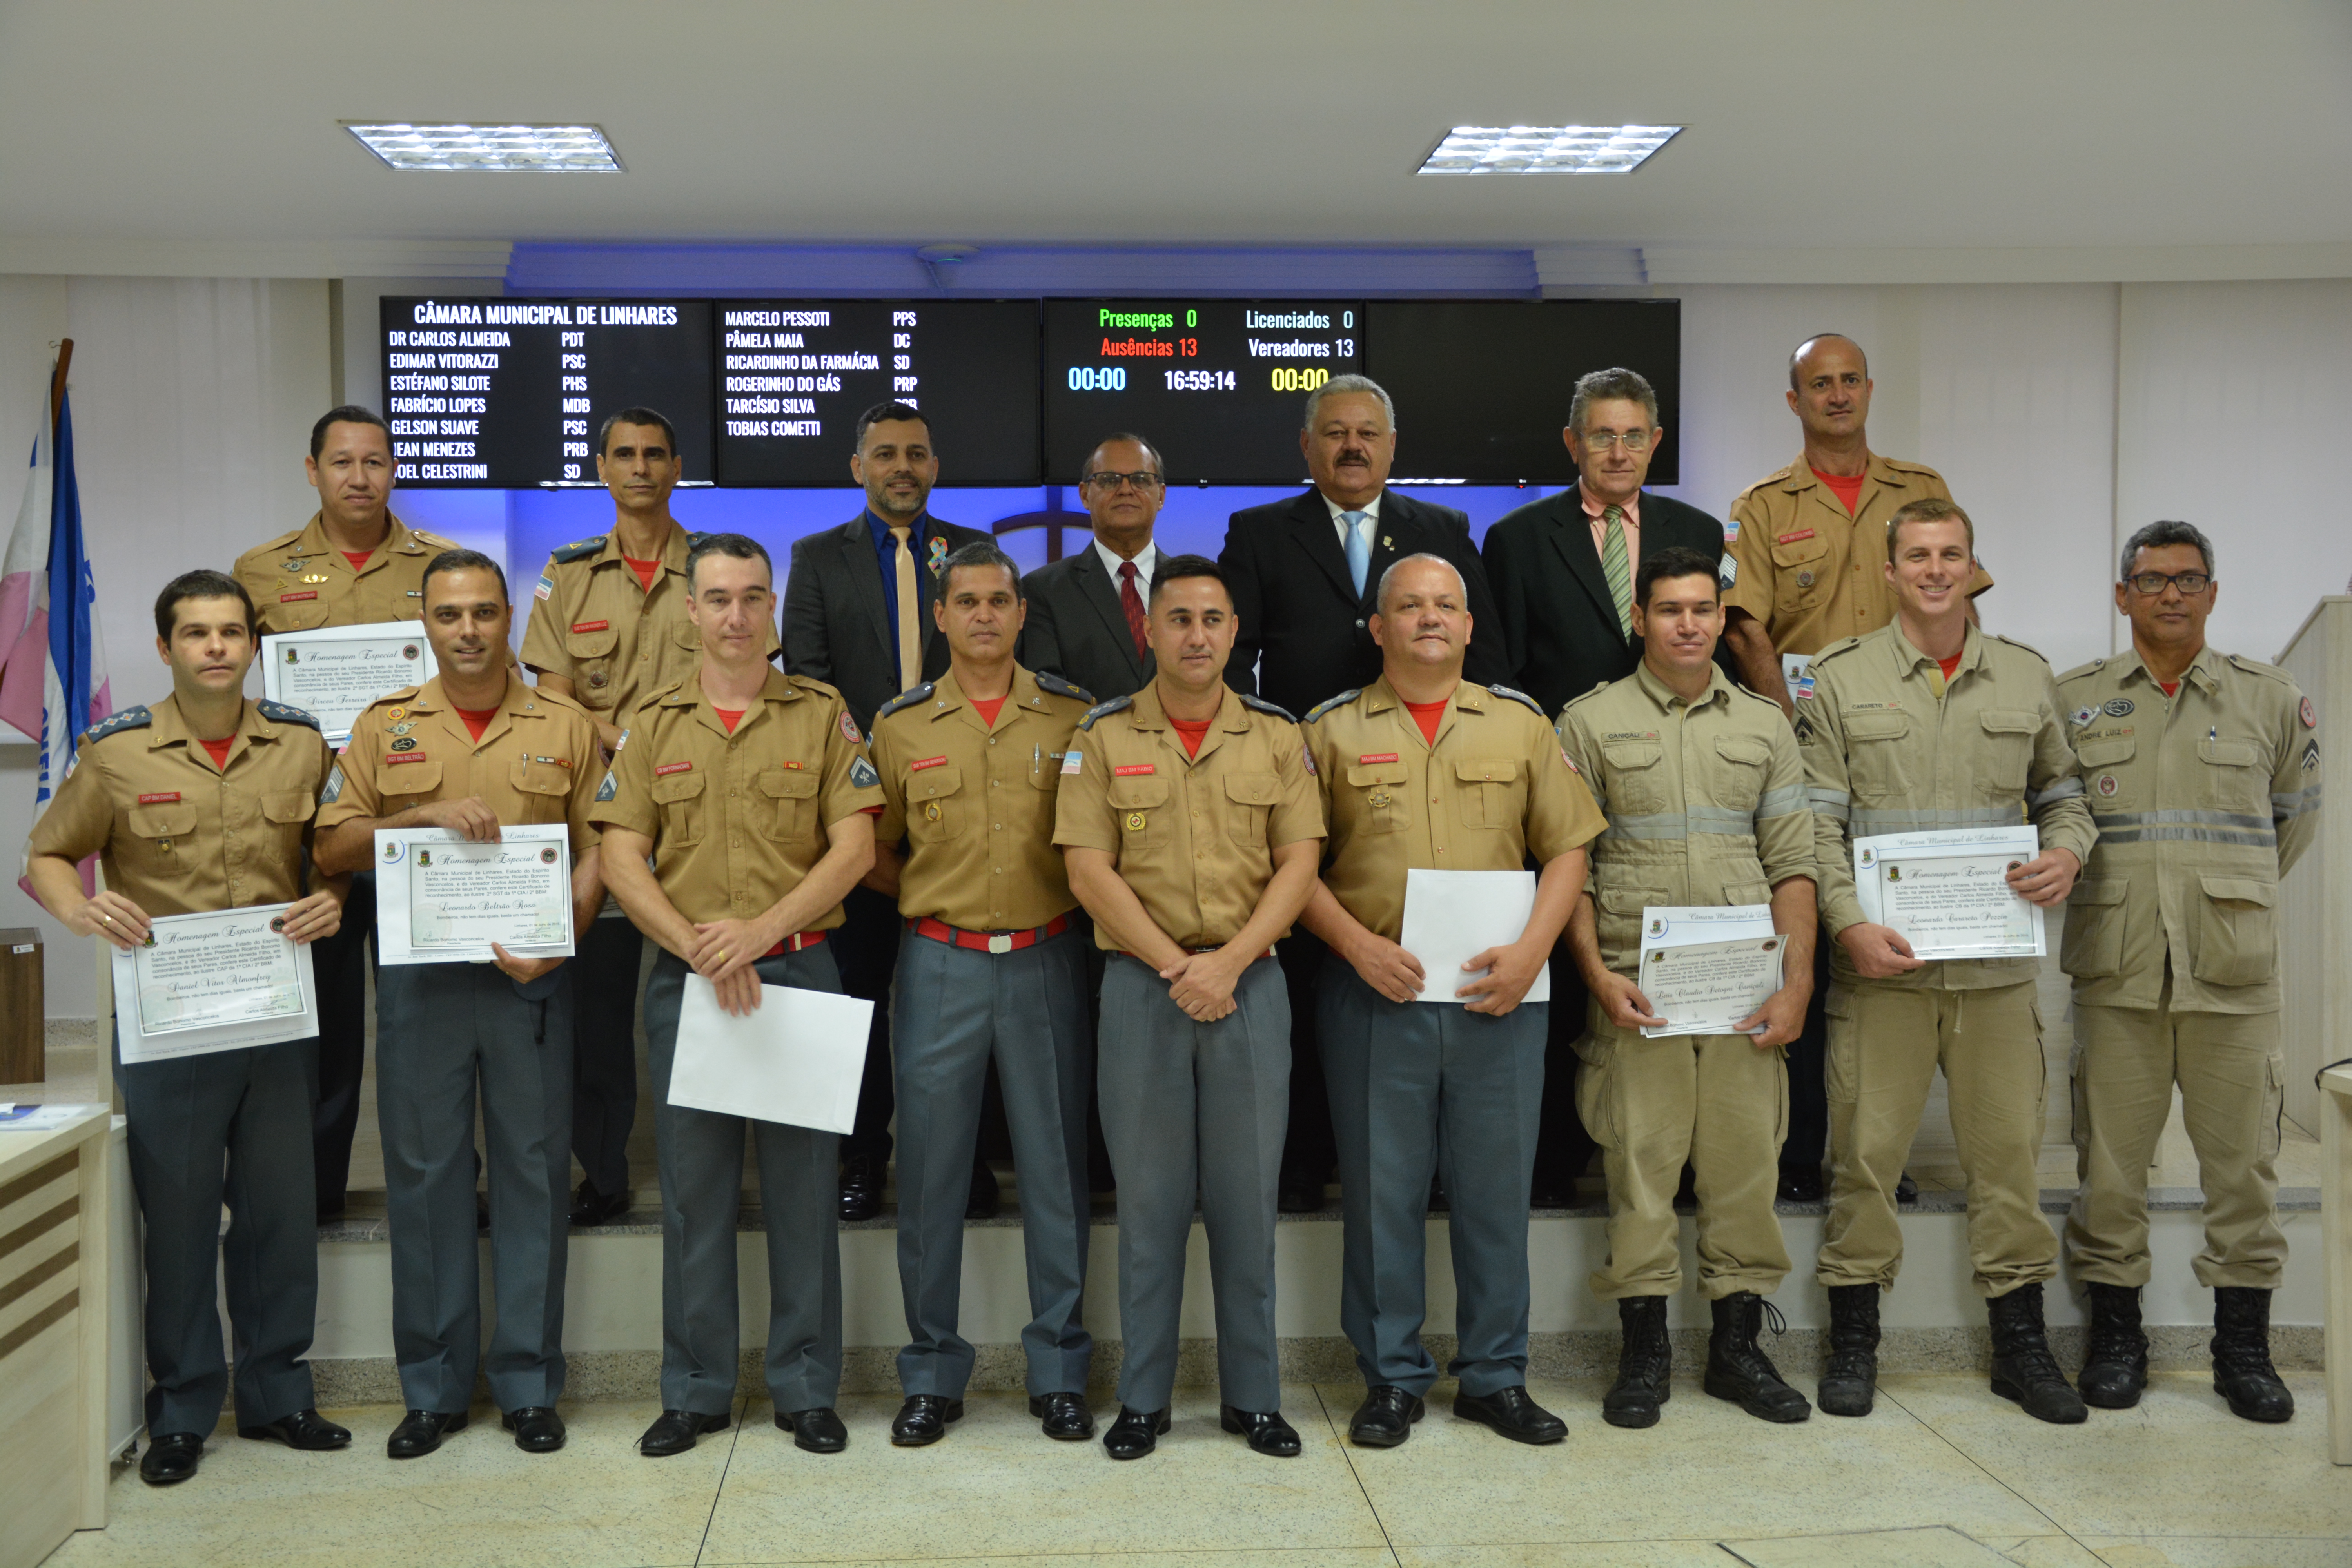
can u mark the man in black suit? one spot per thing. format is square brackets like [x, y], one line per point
[1304, 574]
[1087, 610]
[1563, 571]
[857, 615]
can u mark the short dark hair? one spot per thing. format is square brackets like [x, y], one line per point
[1614, 385]
[639, 415]
[734, 546]
[348, 414]
[978, 554]
[1674, 561]
[882, 413]
[1176, 568]
[1799, 353]
[202, 583]
[1929, 509]
[464, 561]
[1158, 462]
[2156, 536]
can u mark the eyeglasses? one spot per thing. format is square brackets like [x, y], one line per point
[2190, 584]
[1601, 440]
[1107, 480]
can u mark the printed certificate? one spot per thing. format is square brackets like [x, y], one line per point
[1948, 894]
[1708, 969]
[214, 983]
[442, 899]
[336, 672]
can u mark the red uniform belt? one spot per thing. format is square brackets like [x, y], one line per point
[988, 942]
[794, 942]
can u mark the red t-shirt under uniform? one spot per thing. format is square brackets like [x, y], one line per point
[1427, 714]
[1846, 489]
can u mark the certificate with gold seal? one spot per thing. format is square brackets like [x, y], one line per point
[441, 899]
[335, 672]
[208, 982]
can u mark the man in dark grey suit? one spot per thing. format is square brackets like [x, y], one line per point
[1087, 610]
[857, 615]
[1563, 570]
[1304, 574]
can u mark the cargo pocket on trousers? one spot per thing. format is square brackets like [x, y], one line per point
[1838, 1082]
[2273, 1106]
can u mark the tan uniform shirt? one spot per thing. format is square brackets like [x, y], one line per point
[299, 582]
[1808, 570]
[535, 765]
[738, 820]
[2203, 799]
[177, 836]
[1494, 786]
[1193, 836]
[1705, 800]
[975, 801]
[1888, 750]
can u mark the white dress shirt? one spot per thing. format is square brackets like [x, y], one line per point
[1147, 561]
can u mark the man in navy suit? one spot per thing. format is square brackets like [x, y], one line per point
[1304, 574]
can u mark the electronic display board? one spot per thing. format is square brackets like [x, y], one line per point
[1218, 385]
[1482, 387]
[508, 394]
[794, 375]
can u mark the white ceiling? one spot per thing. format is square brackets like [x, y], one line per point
[1816, 127]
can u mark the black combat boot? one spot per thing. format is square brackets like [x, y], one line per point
[2114, 1357]
[1644, 1367]
[1850, 1374]
[1739, 1370]
[2023, 1367]
[2242, 1373]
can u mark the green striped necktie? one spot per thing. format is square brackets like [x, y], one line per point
[1617, 568]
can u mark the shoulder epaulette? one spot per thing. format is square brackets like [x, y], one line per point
[285, 713]
[405, 694]
[811, 683]
[1262, 706]
[1330, 702]
[129, 719]
[431, 541]
[1048, 681]
[1100, 709]
[693, 540]
[1597, 689]
[271, 546]
[579, 549]
[1842, 645]
[662, 694]
[2022, 647]
[1908, 465]
[906, 698]
[2080, 670]
[1533, 705]
[1752, 697]
[2256, 667]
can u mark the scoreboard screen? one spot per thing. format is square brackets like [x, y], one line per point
[508, 394]
[1218, 385]
[794, 375]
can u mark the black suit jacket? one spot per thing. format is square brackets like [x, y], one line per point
[1077, 629]
[1303, 635]
[836, 626]
[1559, 622]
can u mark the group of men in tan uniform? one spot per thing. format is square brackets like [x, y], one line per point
[730, 808]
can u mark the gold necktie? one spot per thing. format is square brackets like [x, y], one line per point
[911, 602]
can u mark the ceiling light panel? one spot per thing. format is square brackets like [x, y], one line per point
[496, 149]
[1545, 149]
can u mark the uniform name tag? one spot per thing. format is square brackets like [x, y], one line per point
[1137, 768]
[590, 625]
[926, 763]
[1792, 538]
[289, 598]
[1377, 757]
[403, 757]
[795, 767]
[160, 797]
[673, 768]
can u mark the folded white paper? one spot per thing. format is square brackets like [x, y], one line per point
[798, 1057]
[1452, 917]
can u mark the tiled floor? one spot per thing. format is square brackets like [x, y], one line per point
[1942, 1475]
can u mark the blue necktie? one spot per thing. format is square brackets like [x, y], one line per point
[1359, 547]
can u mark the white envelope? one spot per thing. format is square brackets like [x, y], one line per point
[799, 1057]
[1452, 917]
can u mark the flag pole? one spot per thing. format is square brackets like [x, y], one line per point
[58, 382]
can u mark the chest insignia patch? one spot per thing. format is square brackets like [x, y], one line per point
[1133, 768]
[404, 756]
[160, 797]
[402, 728]
[1378, 798]
[296, 598]
[918, 766]
[396, 714]
[789, 763]
[2083, 716]
[1805, 578]
[2107, 784]
[590, 625]
[314, 576]
[1134, 820]
[932, 811]
[662, 770]
[1793, 538]
[2118, 707]
[294, 563]
[1377, 757]
[405, 743]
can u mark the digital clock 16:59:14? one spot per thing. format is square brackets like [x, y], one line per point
[1200, 379]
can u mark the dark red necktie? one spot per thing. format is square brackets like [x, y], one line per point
[1132, 602]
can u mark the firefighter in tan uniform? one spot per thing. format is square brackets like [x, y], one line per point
[1423, 769]
[204, 802]
[749, 792]
[1706, 805]
[1928, 724]
[2203, 770]
[991, 969]
[1190, 825]
[353, 563]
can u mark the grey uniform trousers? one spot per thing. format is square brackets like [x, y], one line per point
[441, 1030]
[1407, 1078]
[1195, 1109]
[953, 1010]
[701, 1158]
[231, 1126]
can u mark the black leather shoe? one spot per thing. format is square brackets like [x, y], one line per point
[1551, 1193]
[538, 1429]
[1906, 1191]
[170, 1458]
[1439, 1202]
[482, 1216]
[1849, 1381]
[1800, 1184]
[2023, 1367]
[1385, 1418]
[817, 1430]
[674, 1432]
[923, 1420]
[2114, 1351]
[1066, 1416]
[861, 1187]
[1298, 1192]
[1645, 1364]
[305, 1429]
[330, 1209]
[2243, 1373]
[1267, 1432]
[1512, 1414]
[420, 1432]
[985, 1197]
[590, 1207]
[1135, 1434]
[1739, 1370]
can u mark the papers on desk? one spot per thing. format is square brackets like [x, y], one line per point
[1708, 968]
[441, 899]
[42, 1118]
[798, 1057]
[209, 983]
[1452, 917]
[1947, 893]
